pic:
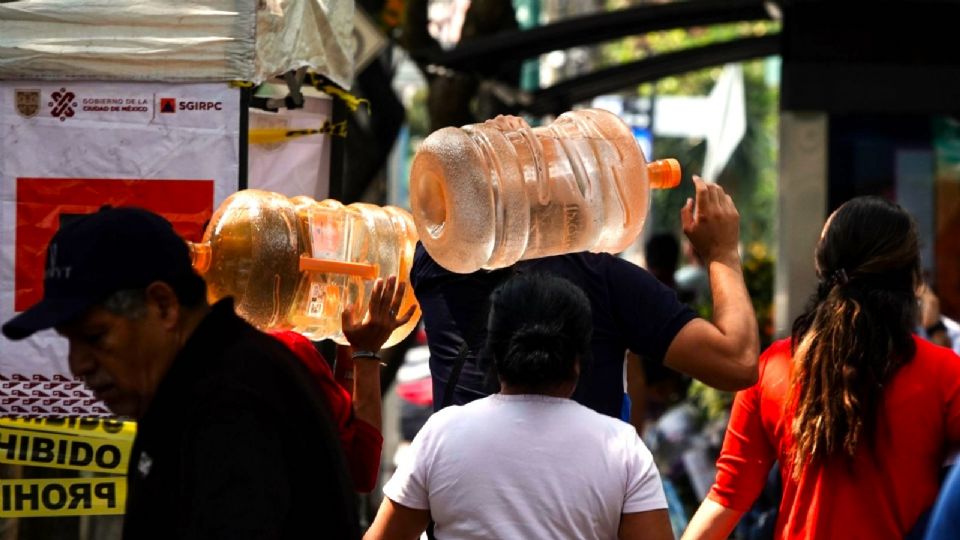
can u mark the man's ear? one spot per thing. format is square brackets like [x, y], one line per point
[161, 297]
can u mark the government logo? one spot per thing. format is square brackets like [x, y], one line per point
[62, 105]
[28, 102]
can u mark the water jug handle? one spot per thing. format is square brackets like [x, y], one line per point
[199, 256]
[508, 123]
[328, 266]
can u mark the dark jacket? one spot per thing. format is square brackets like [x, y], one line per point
[237, 444]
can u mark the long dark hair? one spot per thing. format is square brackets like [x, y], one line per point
[856, 331]
[539, 328]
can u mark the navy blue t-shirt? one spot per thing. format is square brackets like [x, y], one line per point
[631, 310]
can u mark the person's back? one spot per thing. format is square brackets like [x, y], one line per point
[532, 466]
[528, 462]
[885, 488]
[631, 310]
[858, 410]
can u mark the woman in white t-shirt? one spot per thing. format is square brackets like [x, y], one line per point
[528, 462]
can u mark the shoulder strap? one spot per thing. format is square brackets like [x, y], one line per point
[478, 324]
[454, 376]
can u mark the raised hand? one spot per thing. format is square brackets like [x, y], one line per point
[713, 224]
[381, 320]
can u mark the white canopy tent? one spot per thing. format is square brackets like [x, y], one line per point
[175, 40]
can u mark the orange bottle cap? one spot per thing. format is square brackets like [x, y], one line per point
[664, 173]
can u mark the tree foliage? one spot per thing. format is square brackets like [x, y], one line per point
[750, 176]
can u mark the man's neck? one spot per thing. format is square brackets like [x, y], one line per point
[191, 319]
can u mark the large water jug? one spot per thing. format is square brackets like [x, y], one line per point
[296, 264]
[487, 195]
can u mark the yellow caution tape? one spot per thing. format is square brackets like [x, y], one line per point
[276, 135]
[62, 497]
[325, 85]
[58, 451]
[240, 84]
[103, 428]
[351, 101]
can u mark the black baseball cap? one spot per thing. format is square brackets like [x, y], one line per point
[96, 255]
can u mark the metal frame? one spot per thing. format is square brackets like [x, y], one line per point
[522, 44]
[562, 96]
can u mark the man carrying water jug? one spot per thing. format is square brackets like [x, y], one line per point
[631, 311]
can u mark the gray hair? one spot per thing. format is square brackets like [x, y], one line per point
[129, 303]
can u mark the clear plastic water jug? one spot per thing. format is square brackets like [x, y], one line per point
[298, 263]
[487, 195]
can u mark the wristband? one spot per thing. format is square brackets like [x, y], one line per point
[367, 355]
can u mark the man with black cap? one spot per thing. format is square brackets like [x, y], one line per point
[233, 439]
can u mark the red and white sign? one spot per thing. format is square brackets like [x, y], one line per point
[71, 147]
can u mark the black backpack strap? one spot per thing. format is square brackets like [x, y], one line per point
[451, 386]
[479, 322]
[476, 327]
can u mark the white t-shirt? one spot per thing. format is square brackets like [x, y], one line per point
[526, 466]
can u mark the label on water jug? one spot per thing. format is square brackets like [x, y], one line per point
[326, 234]
[321, 296]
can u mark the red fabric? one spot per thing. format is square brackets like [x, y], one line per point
[884, 490]
[362, 443]
[418, 392]
[41, 203]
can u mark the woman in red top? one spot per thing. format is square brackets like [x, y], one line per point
[859, 412]
[357, 415]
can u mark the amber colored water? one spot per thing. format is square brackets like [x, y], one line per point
[487, 195]
[252, 249]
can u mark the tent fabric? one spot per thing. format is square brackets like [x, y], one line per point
[175, 40]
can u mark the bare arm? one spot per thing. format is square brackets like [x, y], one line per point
[367, 403]
[723, 352]
[652, 525]
[370, 335]
[397, 522]
[712, 521]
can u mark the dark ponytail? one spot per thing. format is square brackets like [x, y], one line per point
[539, 328]
[856, 331]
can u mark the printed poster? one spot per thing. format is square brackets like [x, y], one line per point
[68, 148]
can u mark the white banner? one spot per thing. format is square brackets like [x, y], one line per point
[299, 166]
[68, 148]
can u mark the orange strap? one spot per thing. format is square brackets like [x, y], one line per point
[327, 266]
